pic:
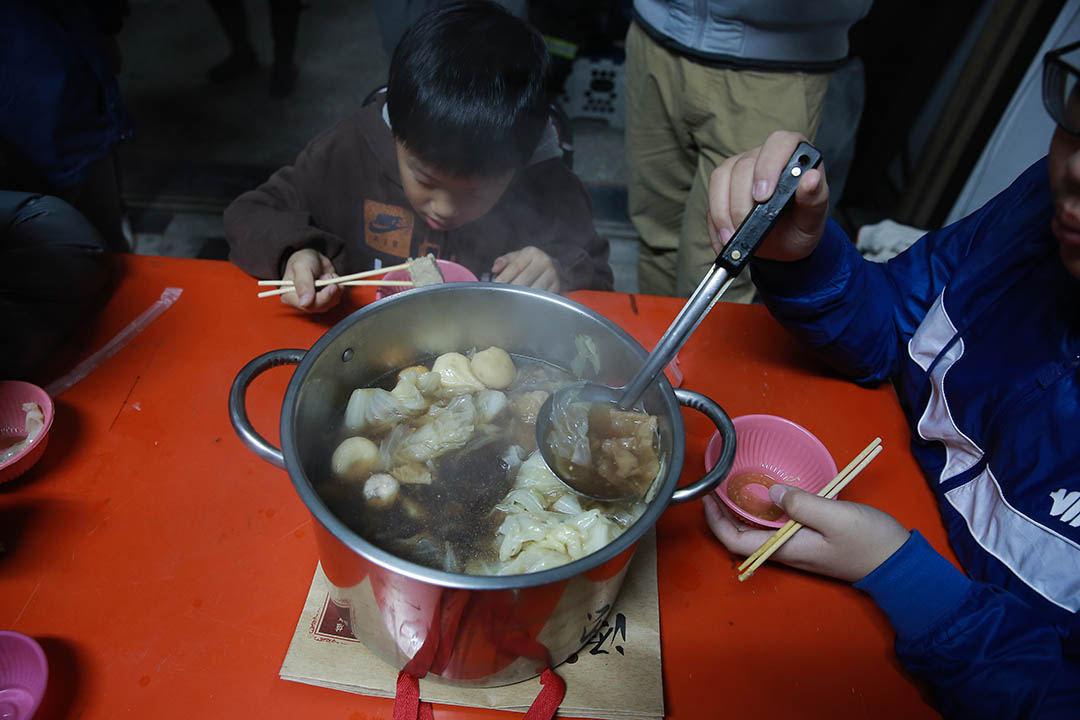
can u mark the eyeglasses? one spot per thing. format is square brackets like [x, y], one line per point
[1060, 77]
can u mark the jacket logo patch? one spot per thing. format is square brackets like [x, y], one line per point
[387, 228]
[1066, 506]
[384, 223]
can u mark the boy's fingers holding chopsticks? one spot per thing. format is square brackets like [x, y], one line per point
[804, 507]
[736, 536]
[303, 291]
[742, 540]
[325, 296]
[851, 539]
[302, 268]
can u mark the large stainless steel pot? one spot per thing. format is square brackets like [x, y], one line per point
[463, 629]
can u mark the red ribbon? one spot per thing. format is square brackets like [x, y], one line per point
[550, 697]
[407, 704]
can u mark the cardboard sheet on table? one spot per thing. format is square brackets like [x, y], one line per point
[617, 675]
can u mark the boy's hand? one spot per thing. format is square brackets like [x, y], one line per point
[304, 267]
[740, 182]
[841, 539]
[529, 266]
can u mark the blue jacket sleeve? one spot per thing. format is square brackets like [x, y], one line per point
[855, 313]
[983, 652]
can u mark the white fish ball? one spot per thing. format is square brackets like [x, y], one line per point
[354, 458]
[381, 490]
[494, 367]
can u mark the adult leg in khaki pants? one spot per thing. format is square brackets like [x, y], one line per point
[661, 165]
[683, 119]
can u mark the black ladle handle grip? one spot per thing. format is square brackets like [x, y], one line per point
[752, 231]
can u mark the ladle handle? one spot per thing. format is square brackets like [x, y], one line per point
[747, 238]
[752, 231]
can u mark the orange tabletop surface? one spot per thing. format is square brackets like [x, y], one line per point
[162, 566]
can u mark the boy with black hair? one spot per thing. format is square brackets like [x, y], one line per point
[456, 158]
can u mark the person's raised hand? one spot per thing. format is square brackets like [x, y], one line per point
[844, 540]
[743, 180]
[304, 267]
[529, 266]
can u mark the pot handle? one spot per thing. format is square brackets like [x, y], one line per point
[697, 401]
[238, 402]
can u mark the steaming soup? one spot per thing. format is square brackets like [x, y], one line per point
[439, 466]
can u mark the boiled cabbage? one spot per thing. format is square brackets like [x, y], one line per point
[408, 394]
[489, 405]
[451, 429]
[372, 411]
[545, 524]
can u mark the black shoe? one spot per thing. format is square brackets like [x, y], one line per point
[283, 79]
[239, 64]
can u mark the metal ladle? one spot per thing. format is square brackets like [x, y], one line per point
[729, 263]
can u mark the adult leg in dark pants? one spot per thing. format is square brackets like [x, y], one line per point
[56, 273]
[233, 18]
[100, 201]
[242, 61]
[284, 24]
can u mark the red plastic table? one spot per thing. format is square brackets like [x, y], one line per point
[163, 566]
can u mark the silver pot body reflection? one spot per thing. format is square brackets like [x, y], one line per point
[463, 629]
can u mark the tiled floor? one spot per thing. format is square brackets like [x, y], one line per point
[200, 145]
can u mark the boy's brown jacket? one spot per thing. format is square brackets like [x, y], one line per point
[343, 197]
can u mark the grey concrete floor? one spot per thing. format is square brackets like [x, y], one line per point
[198, 145]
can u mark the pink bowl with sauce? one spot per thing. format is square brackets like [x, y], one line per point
[769, 450]
[13, 393]
[451, 272]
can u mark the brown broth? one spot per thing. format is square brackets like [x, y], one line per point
[623, 454]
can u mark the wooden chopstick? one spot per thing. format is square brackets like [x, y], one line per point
[781, 536]
[383, 283]
[350, 283]
[823, 492]
[344, 278]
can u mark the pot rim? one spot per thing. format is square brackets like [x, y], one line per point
[322, 513]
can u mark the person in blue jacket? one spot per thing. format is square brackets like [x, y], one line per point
[977, 325]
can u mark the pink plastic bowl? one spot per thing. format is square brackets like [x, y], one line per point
[451, 272]
[23, 675]
[777, 448]
[13, 393]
